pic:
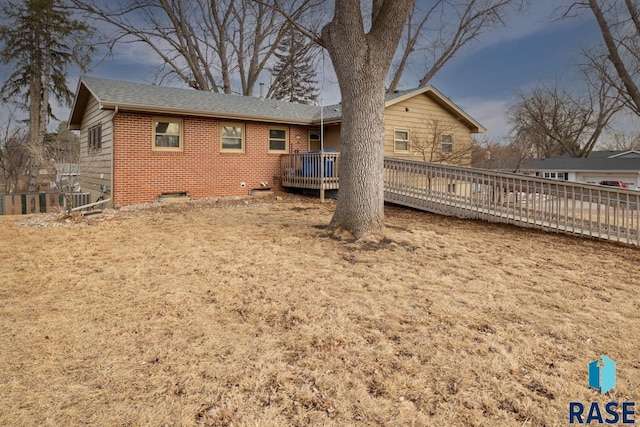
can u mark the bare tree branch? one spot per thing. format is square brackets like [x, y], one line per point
[555, 122]
[209, 45]
[428, 33]
[625, 69]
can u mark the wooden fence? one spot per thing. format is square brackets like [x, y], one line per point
[28, 203]
[560, 206]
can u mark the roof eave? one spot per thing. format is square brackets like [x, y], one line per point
[473, 125]
[139, 108]
[332, 121]
[579, 170]
[77, 109]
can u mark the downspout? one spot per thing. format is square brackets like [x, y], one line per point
[113, 148]
[321, 152]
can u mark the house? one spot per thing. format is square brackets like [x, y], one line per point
[599, 166]
[139, 141]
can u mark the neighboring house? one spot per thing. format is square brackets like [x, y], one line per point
[139, 142]
[67, 176]
[599, 166]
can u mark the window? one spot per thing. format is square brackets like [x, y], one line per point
[560, 175]
[314, 140]
[94, 136]
[447, 143]
[232, 137]
[278, 141]
[401, 140]
[167, 134]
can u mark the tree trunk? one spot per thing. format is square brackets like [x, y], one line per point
[361, 61]
[360, 208]
[35, 97]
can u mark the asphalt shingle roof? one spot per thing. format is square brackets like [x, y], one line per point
[139, 95]
[597, 161]
[152, 98]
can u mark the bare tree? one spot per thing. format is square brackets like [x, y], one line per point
[500, 155]
[361, 60]
[619, 23]
[40, 40]
[435, 31]
[621, 141]
[361, 46]
[14, 154]
[555, 122]
[438, 144]
[63, 145]
[209, 45]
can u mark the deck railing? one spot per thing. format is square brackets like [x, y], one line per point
[313, 170]
[560, 206]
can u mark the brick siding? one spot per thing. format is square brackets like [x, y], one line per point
[200, 169]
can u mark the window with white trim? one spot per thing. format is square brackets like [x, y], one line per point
[559, 175]
[278, 141]
[167, 134]
[446, 141]
[232, 137]
[401, 140]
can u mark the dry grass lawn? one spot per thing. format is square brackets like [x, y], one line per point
[251, 314]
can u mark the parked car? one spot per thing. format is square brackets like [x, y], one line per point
[618, 184]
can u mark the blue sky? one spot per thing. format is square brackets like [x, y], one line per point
[534, 46]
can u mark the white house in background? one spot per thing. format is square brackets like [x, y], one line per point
[599, 166]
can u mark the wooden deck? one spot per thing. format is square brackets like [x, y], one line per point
[312, 170]
[558, 206]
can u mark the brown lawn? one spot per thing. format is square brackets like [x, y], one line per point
[248, 313]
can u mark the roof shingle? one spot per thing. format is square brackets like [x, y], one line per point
[161, 99]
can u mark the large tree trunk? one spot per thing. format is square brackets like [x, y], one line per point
[360, 208]
[361, 61]
[35, 98]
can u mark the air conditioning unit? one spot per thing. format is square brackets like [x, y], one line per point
[78, 199]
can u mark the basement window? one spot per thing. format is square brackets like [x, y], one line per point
[167, 134]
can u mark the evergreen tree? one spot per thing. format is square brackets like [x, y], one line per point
[40, 39]
[294, 72]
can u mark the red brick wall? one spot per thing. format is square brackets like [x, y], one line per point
[201, 170]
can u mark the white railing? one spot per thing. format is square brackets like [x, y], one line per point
[559, 206]
[313, 170]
